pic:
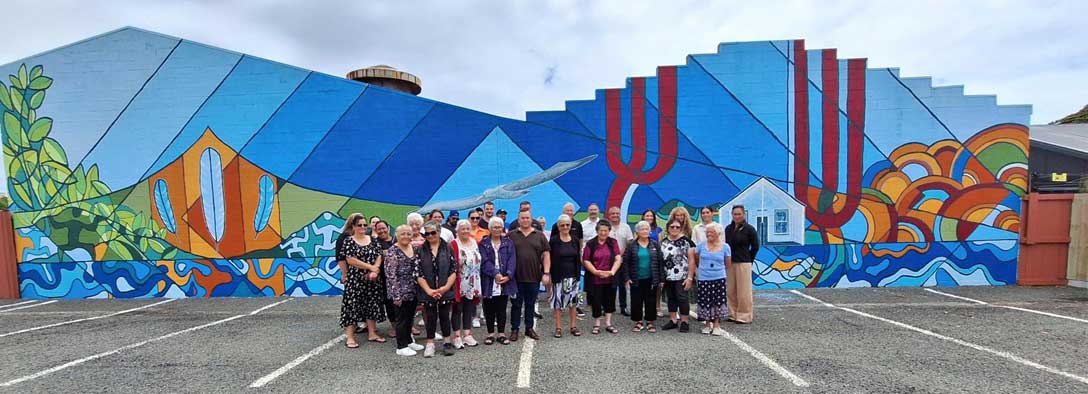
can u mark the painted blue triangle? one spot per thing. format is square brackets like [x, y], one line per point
[477, 173]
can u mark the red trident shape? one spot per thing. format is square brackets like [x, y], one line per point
[630, 175]
[820, 205]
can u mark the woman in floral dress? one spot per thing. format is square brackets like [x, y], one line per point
[362, 300]
[467, 252]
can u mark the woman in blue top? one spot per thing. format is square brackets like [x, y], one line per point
[712, 258]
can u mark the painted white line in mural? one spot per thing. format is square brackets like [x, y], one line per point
[84, 319]
[17, 304]
[766, 361]
[1008, 307]
[294, 363]
[129, 347]
[525, 367]
[28, 306]
[1005, 355]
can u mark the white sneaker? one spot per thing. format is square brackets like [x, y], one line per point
[718, 332]
[415, 346]
[706, 330]
[407, 352]
[428, 352]
[470, 341]
[457, 343]
[476, 322]
[420, 323]
[437, 336]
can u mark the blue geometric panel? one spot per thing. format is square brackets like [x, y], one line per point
[428, 156]
[239, 107]
[586, 184]
[377, 122]
[298, 126]
[157, 114]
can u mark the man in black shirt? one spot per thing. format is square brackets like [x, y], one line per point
[744, 243]
[534, 265]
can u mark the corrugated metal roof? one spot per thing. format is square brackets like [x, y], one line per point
[1066, 138]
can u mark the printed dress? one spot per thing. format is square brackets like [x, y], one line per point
[468, 255]
[363, 299]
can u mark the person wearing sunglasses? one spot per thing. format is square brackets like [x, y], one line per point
[498, 266]
[401, 261]
[363, 297]
[566, 271]
[678, 252]
[385, 241]
[681, 216]
[477, 232]
[436, 275]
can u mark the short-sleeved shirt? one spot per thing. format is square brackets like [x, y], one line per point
[529, 251]
[602, 257]
[712, 264]
[566, 258]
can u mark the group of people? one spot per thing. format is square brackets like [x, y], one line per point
[447, 269]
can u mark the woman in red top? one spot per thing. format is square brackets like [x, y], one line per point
[602, 259]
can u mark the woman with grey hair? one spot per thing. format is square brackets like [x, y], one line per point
[566, 263]
[401, 261]
[436, 275]
[415, 220]
[467, 252]
[498, 266]
[642, 258]
[712, 259]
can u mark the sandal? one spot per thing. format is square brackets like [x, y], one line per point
[349, 345]
[489, 340]
[596, 330]
[611, 329]
[575, 331]
[376, 340]
[558, 333]
[504, 340]
[637, 328]
[650, 328]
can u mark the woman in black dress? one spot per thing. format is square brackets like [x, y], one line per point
[362, 300]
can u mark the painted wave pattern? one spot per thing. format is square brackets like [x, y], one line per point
[852, 265]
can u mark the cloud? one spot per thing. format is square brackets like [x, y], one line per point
[489, 55]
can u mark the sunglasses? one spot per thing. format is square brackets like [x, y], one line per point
[473, 218]
[429, 233]
[564, 224]
[674, 226]
[360, 224]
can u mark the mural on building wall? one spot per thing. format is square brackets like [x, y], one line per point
[179, 169]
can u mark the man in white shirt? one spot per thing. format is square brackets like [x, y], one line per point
[621, 232]
[589, 226]
[706, 216]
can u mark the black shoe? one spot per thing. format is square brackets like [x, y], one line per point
[532, 334]
[624, 311]
[513, 336]
[668, 326]
[684, 327]
[447, 349]
[580, 312]
[538, 316]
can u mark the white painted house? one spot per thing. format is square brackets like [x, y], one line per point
[777, 216]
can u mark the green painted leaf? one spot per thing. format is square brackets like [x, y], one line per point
[100, 188]
[41, 83]
[14, 130]
[118, 251]
[156, 246]
[24, 77]
[37, 99]
[40, 129]
[29, 158]
[5, 98]
[15, 169]
[8, 150]
[15, 83]
[92, 173]
[17, 100]
[54, 150]
[36, 71]
[23, 195]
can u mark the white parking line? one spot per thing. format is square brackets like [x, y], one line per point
[766, 361]
[1005, 355]
[1008, 307]
[83, 320]
[132, 346]
[294, 363]
[17, 304]
[28, 306]
[525, 367]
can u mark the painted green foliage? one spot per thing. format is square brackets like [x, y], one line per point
[72, 206]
